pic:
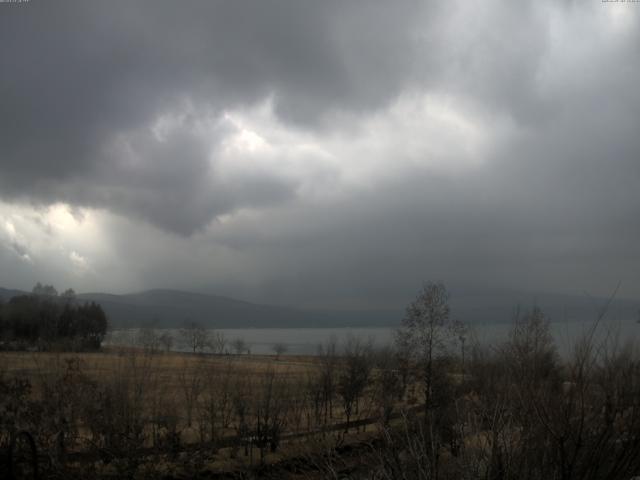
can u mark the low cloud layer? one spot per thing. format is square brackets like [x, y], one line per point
[320, 153]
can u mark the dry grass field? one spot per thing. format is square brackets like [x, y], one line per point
[112, 361]
[167, 376]
[229, 411]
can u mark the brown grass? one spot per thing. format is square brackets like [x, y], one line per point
[164, 374]
[97, 363]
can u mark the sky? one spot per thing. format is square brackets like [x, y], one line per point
[328, 154]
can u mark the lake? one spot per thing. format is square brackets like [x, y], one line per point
[305, 341]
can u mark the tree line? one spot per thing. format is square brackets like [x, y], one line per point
[47, 320]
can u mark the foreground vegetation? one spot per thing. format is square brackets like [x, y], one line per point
[436, 406]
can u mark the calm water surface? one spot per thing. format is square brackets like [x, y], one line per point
[305, 341]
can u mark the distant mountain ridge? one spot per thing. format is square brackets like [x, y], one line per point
[6, 294]
[171, 308]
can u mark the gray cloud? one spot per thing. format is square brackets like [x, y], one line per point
[529, 176]
[78, 74]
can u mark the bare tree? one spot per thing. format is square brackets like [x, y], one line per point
[327, 378]
[387, 382]
[354, 376]
[166, 340]
[117, 413]
[195, 336]
[279, 349]
[217, 342]
[242, 413]
[239, 345]
[147, 337]
[270, 407]
[216, 407]
[191, 379]
[426, 334]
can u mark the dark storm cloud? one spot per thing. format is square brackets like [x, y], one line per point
[78, 74]
[529, 231]
[543, 95]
